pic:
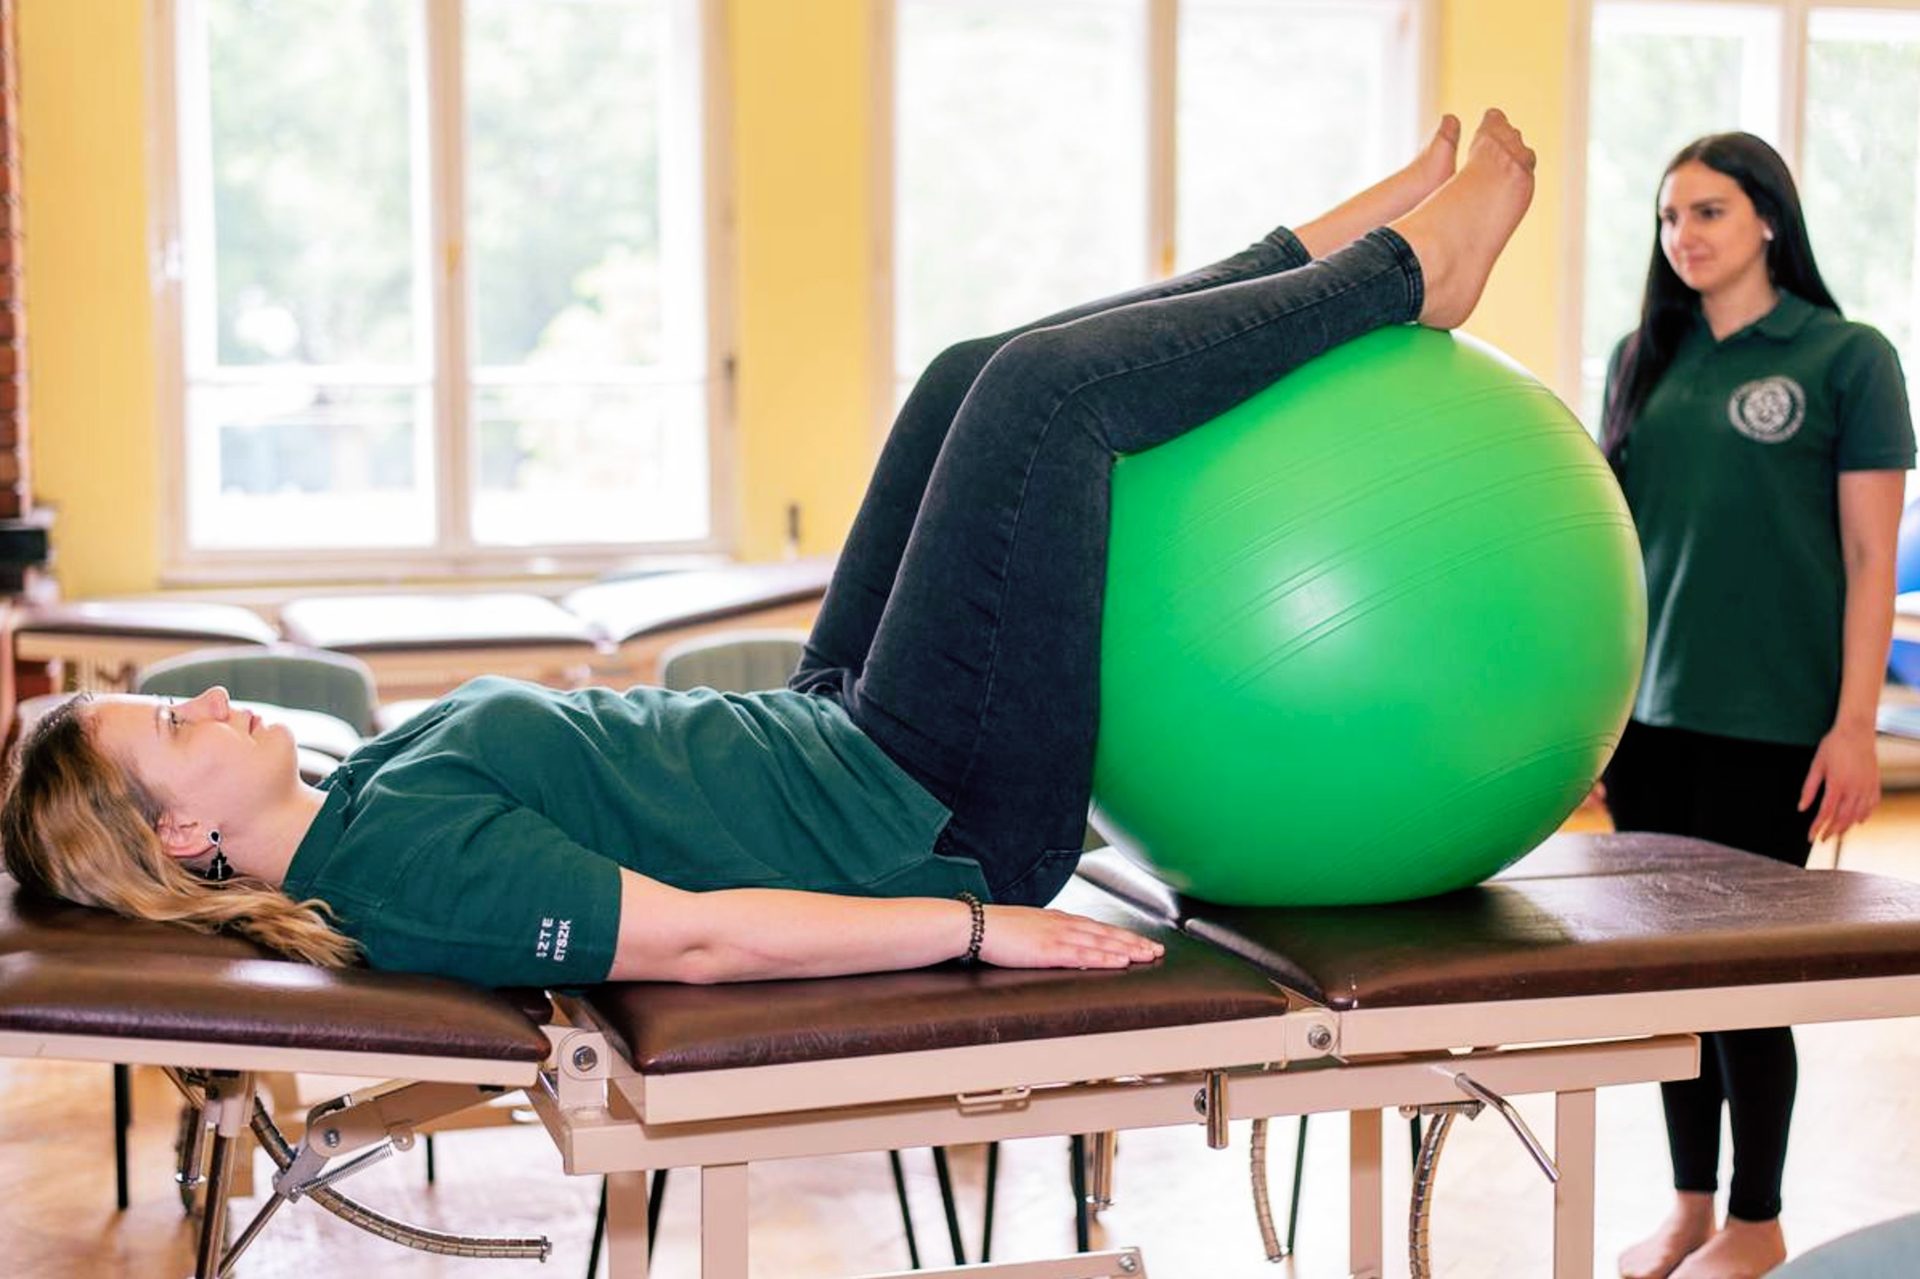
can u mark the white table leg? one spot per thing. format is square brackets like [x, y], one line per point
[1573, 1154]
[627, 1225]
[723, 1222]
[1365, 1186]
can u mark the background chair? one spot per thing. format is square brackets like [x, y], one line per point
[733, 661]
[308, 679]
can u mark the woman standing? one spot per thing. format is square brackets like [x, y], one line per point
[1761, 441]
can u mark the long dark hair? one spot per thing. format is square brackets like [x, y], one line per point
[1668, 308]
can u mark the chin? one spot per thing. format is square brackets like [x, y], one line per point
[1701, 283]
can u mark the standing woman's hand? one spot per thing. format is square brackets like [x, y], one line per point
[1846, 778]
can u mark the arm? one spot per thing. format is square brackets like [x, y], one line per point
[751, 934]
[1845, 767]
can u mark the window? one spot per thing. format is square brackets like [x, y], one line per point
[1286, 109]
[1859, 174]
[1047, 154]
[434, 275]
[1819, 82]
[1020, 162]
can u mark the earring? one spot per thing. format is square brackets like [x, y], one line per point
[219, 870]
[1767, 235]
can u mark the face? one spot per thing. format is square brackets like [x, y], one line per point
[1711, 234]
[212, 764]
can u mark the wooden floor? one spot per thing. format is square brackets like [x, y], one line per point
[1854, 1160]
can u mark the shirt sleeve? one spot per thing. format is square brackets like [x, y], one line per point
[1870, 405]
[498, 897]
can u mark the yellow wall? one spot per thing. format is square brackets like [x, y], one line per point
[1514, 54]
[803, 303]
[802, 90]
[83, 76]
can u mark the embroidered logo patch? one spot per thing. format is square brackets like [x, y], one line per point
[1769, 410]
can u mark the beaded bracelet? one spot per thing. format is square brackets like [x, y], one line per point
[979, 928]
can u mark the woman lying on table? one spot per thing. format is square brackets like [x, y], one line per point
[934, 752]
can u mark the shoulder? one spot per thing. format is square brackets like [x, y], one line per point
[1865, 344]
[1850, 346]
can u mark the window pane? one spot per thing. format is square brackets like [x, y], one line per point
[308, 209]
[563, 129]
[1661, 76]
[584, 224]
[568, 464]
[1285, 108]
[1860, 170]
[292, 464]
[307, 409]
[1020, 159]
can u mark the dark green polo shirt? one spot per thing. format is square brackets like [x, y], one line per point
[1732, 473]
[483, 839]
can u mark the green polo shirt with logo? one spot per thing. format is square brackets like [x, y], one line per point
[483, 839]
[1732, 473]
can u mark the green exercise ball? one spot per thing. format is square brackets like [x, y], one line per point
[1369, 636]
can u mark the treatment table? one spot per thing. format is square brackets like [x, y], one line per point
[1592, 962]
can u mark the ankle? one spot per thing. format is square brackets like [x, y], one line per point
[1694, 1208]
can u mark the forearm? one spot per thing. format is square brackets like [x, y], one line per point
[749, 934]
[1870, 503]
[1867, 633]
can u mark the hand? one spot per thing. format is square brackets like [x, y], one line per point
[1026, 937]
[1846, 776]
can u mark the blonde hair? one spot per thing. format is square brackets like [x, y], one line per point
[76, 824]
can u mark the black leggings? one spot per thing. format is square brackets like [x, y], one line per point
[962, 628]
[1743, 794]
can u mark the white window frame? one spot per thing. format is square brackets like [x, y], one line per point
[1161, 69]
[1794, 15]
[454, 553]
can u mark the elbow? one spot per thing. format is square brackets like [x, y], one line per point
[701, 965]
[1868, 567]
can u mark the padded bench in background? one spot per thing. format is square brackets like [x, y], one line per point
[421, 645]
[639, 619]
[110, 640]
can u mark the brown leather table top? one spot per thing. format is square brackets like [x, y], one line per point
[669, 1029]
[1582, 915]
[69, 970]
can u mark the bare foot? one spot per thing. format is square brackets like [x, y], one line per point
[1459, 230]
[1742, 1250]
[1389, 198]
[1687, 1228]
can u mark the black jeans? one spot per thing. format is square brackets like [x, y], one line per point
[1743, 794]
[962, 628]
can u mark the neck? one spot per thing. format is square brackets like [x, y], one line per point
[266, 847]
[1738, 303]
